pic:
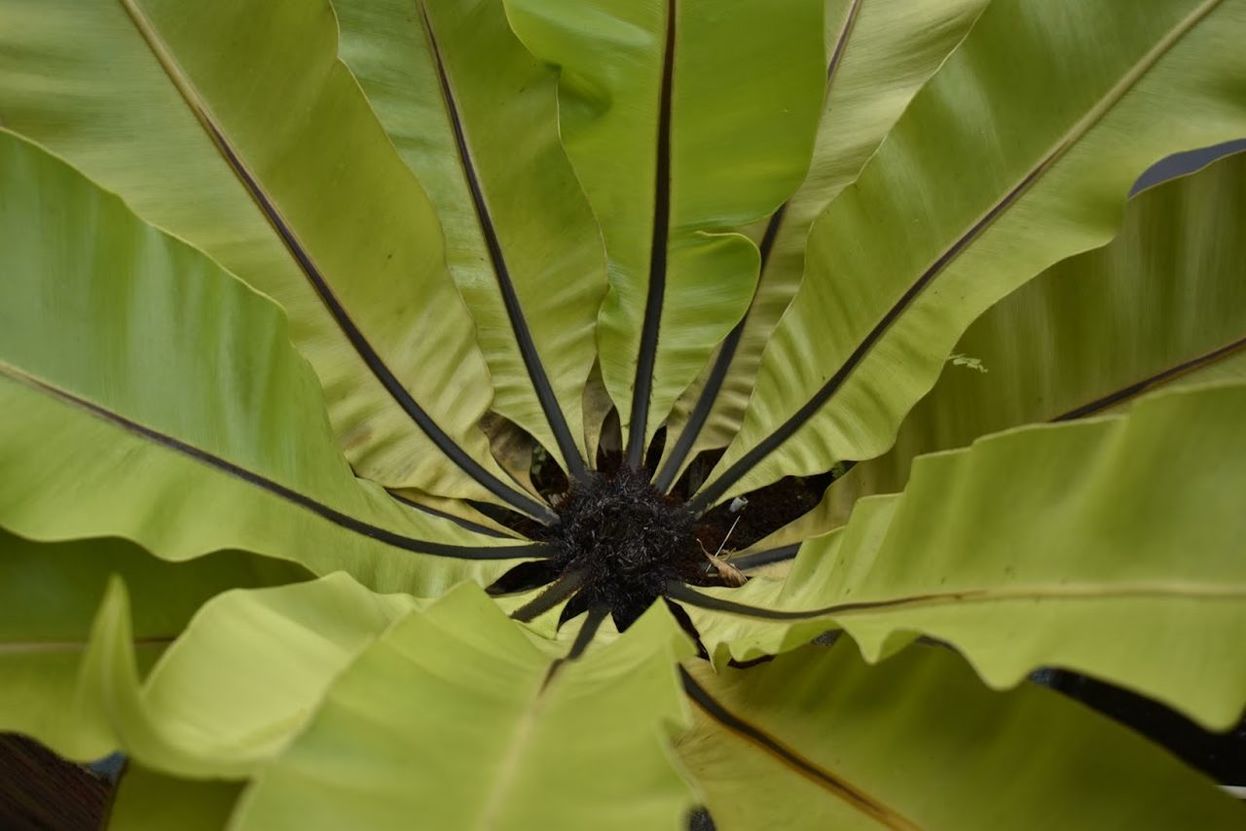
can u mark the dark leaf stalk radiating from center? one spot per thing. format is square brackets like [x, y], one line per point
[301, 500]
[821, 776]
[727, 351]
[554, 415]
[642, 388]
[363, 348]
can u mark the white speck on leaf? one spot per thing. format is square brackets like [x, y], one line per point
[967, 361]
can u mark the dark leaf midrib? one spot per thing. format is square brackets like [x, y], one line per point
[462, 522]
[692, 597]
[791, 758]
[642, 387]
[1164, 376]
[528, 352]
[588, 630]
[757, 559]
[320, 509]
[561, 589]
[337, 311]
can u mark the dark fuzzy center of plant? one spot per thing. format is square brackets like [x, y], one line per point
[627, 541]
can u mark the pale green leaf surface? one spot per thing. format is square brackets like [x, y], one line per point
[1110, 546]
[446, 719]
[49, 594]
[242, 680]
[919, 738]
[125, 90]
[741, 130]
[879, 53]
[150, 395]
[149, 801]
[1164, 304]
[974, 192]
[249, 671]
[506, 102]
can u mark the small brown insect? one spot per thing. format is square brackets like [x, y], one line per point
[729, 574]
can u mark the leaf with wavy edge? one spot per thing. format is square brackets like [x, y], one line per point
[473, 114]
[233, 126]
[241, 682]
[1163, 305]
[682, 128]
[49, 594]
[975, 191]
[879, 53]
[150, 395]
[453, 717]
[1110, 546]
[927, 746]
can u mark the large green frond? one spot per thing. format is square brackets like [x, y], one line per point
[454, 719]
[685, 120]
[1163, 305]
[234, 126]
[49, 595]
[241, 682]
[474, 115]
[1110, 546]
[879, 54]
[145, 393]
[1018, 153]
[918, 742]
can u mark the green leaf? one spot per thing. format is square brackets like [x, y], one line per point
[49, 594]
[148, 801]
[243, 679]
[147, 394]
[917, 742]
[451, 720]
[1162, 305]
[977, 189]
[878, 56]
[508, 183]
[1109, 546]
[233, 126]
[682, 128]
